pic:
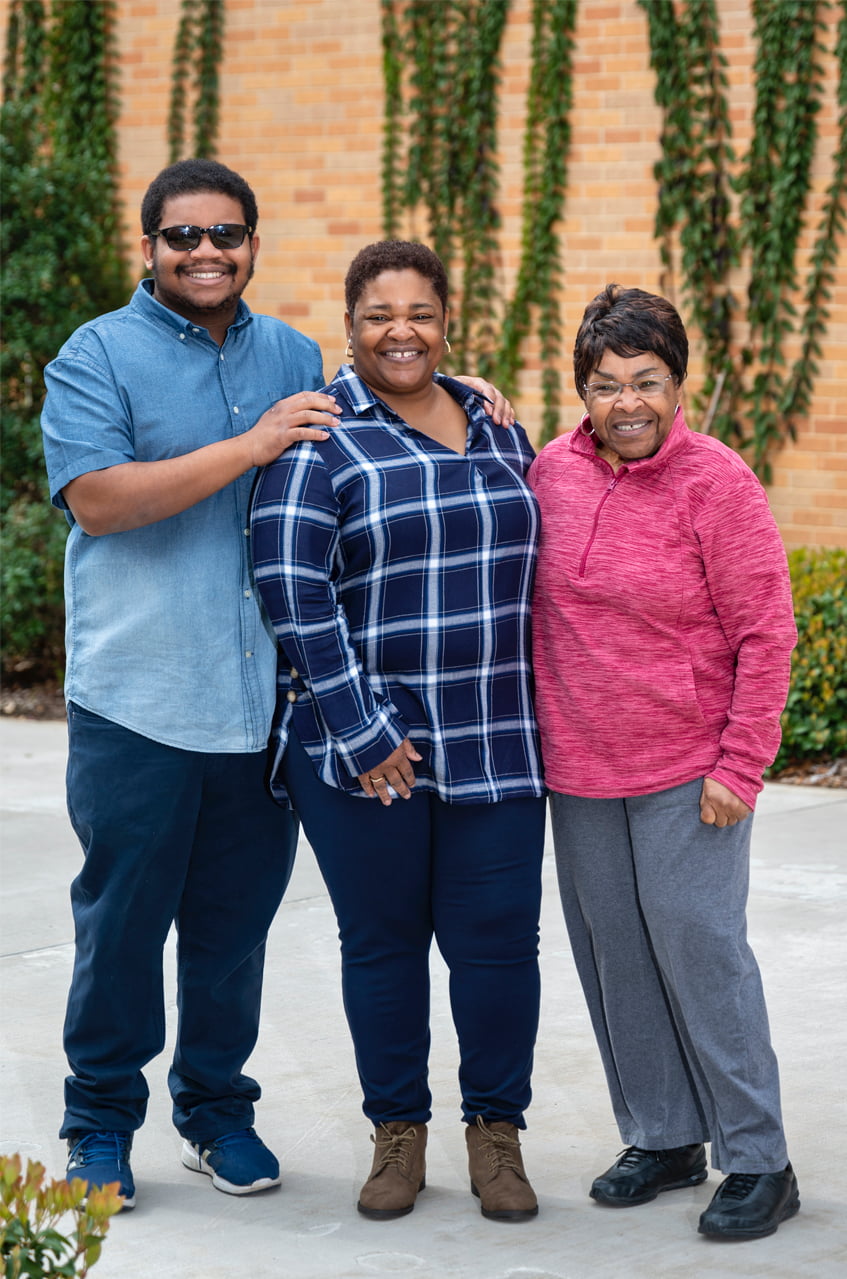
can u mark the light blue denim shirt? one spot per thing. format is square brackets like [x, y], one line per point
[164, 630]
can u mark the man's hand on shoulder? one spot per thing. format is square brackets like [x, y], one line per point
[132, 494]
[500, 411]
[304, 416]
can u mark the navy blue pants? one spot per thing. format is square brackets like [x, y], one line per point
[169, 836]
[467, 874]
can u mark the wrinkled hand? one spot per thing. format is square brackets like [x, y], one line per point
[499, 408]
[719, 806]
[304, 416]
[396, 772]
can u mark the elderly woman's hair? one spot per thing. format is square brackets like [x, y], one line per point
[629, 322]
[394, 255]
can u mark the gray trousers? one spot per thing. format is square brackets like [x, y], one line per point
[655, 905]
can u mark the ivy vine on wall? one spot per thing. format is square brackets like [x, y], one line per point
[198, 49]
[715, 212]
[441, 70]
[774, 184]
[546, 146]
[797, 395]
[698, 240]
[443, 59]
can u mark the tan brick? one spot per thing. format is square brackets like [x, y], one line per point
[302, 95]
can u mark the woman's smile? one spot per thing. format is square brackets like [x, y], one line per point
[397, 333]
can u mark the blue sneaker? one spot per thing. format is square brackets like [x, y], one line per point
[239, 1163]
[101, 1158]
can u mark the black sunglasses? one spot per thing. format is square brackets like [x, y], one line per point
[226, 235]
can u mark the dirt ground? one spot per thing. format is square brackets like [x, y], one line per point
[39, 701]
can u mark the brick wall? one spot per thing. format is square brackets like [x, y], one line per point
[302, 119]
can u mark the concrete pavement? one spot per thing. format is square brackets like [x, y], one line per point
[310, 1113]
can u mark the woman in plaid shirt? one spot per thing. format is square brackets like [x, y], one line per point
[395, 560]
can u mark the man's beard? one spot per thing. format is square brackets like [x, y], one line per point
[225, 304]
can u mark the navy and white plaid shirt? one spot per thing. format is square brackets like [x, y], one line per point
[397, 574]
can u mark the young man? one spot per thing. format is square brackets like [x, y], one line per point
[155, 418]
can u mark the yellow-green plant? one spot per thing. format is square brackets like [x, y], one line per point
[31, 1246]
[814, 723]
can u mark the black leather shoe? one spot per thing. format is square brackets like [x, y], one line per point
[639, 1175]
[751, 1205]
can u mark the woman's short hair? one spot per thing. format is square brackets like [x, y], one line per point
[187, 177]
[394, 255]
[629, 322]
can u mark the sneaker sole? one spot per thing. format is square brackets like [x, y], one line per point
[790, 1210]
[694, 1179]
[196, 1163]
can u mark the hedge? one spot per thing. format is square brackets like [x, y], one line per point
[814, 722]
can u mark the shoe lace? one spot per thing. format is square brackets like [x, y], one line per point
[499, 1149]
[101, 1147]
[634, 1155]
[738, 1185]
[229, 1140]
[393, 1147]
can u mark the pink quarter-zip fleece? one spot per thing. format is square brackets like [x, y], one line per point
[662, 618]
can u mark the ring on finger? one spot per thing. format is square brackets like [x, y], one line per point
[376, 779]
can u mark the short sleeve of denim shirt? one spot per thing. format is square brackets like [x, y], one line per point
[87, 422]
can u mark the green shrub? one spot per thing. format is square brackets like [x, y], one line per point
[32, 541]
[61, 263]
[814, 722]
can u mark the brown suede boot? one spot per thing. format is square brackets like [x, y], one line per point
[497, 1172]
[398, 1172]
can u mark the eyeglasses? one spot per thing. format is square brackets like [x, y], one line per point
[225, 235]
[644, 386]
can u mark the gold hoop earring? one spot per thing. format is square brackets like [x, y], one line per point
[348, 354]
[447, 344]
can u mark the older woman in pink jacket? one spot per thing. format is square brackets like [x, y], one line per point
[663, 630]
